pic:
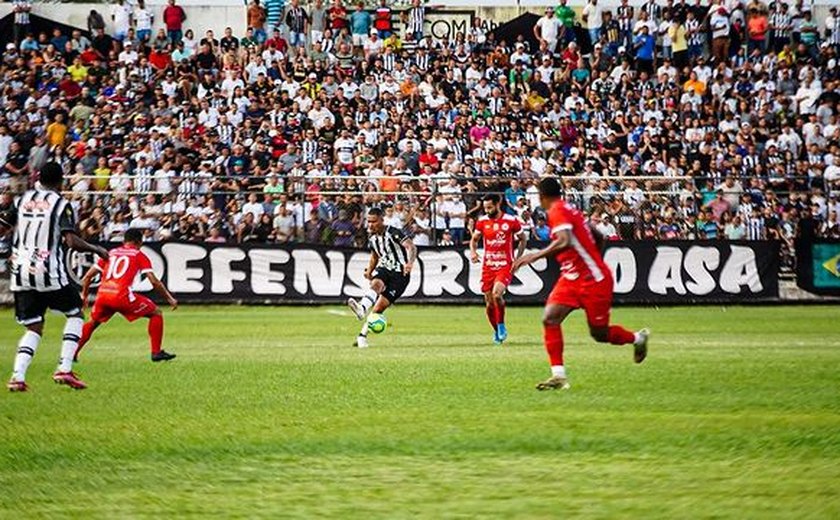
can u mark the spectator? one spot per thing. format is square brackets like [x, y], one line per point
[719, 24]
[143, 21]
[174, 18]
[318, 17]
[21, 10]
[297, 20]
[256, 18]
[274, 11]
[121, 16]
[382, 20]
[360, 22]
[343, 230]
[425, 128]
[592, 15]
[734, 229]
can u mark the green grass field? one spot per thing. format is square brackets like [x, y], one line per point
[268, 412]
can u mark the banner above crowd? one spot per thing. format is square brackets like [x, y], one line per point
[645, 272]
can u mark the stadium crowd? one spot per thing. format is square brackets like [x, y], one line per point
[672, 121]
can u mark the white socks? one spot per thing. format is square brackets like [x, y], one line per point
[363, 333]
[27, 346]
[368, 299]
[72, 335]
[558, 371]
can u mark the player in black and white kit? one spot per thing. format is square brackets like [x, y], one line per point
[45, 225]
[391, 260]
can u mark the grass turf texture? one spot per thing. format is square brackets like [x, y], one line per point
[268, 412]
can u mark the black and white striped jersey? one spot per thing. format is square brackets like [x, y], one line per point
[756, 229]
[37, 259]
[389, 247]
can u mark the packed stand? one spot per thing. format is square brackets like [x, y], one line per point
[682, 121]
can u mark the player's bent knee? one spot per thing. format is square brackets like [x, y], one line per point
[551, 321]
[599, 334]
[37, 328]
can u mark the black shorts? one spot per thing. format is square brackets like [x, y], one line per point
[30, 306]
[395, 283]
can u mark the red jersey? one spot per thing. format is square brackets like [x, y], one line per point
[498, 234]
[120, 270]
[582, 258]
[173, 17]
[382, 18]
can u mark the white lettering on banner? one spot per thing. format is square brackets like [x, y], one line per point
[529, 281]
[196, 272]
[474, 275]
[179, 277]
[356, 273]
[221, 274]
[142, 284]
[310, 271]
[622, 263]
[265, 281]
[440, 272]
[666, 271]
[700, 262]
[415, 280]
[448, 24]
[740, 269]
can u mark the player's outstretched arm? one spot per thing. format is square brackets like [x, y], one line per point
[86, 281]
[561, 240]
[8, 219]
[599, 239]
[77, 243]
[521, 243]
[476, 236]
[161, 289]
[374, 259]
[412, 255]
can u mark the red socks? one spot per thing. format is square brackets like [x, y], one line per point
[495, 314]
[618, 335]
[156, 332]
[553, 336]
[87, 331]
[491, 315]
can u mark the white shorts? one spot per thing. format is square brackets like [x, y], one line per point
[359, 40]
[317, 36]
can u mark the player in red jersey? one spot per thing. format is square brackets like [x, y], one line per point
[499, 230]
[585, 282]
[115, 295]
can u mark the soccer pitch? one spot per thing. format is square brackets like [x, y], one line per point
[269, 412]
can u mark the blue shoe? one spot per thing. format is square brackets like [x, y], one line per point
[496, 340]
[501, 333]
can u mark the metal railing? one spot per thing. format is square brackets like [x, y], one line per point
[419, 193]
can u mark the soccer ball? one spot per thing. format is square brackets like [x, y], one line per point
[377, 323]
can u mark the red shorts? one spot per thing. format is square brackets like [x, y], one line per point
[595, 298]
[131, 308]
[489, 279]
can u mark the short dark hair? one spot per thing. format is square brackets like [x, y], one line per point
[492, 197]
[133, 235]
[376, 212]
[550, 187]
[52, 175]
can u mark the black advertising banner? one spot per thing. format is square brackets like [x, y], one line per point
[818, 267]
[644, 272]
